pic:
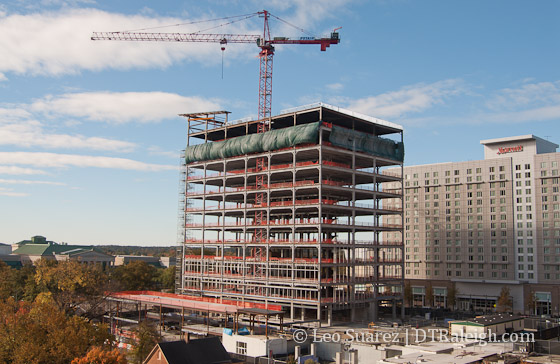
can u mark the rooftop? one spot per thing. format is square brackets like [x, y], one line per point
[516, 139]
[491, 320]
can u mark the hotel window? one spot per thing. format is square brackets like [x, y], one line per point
[491, 169]
[479, 170]
[518, 167]
[502, 168]
[527, 166]
[543, 164]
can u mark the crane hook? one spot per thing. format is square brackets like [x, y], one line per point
[223, 43]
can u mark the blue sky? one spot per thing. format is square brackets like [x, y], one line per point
[89, 133]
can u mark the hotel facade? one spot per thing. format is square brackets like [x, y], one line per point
[472, 228]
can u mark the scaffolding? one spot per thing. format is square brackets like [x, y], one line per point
[293, 220]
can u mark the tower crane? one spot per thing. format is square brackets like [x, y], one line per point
[264, 41]
[266, 44]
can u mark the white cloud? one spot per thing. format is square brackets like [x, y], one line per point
[10, 192]
[29, 182]
[59, 42]
[55, 43]
[536, 114]
[74, 160]
[155, 150]
[14, 170]
[409, 99]
[530, 94]
[30, 133]
[335, 86]
[306, 14]
[122, 107]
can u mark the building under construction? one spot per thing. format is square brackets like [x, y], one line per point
[293, 216]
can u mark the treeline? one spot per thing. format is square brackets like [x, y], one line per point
[51, 312]
[156, 251]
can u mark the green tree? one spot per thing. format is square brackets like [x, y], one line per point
[136, 276]
[505, 302]
[166, 278]
[146, 338]
[99, 355]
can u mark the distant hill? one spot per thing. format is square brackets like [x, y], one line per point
[155, 251]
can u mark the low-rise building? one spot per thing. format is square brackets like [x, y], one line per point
[39, 248]
[200, 351]
[125, 259]
[486, 326]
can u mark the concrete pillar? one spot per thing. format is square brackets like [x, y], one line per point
[402, 310]
[353, 356]
[353, 314]
[394, 307]
[292, 311]
[338, 358]
[297, 352]
[329, 316]
[313, 349]
[372, 312]
[302, 314]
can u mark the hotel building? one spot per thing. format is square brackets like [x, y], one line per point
[472, 228]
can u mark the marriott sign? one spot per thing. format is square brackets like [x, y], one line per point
[518, 148]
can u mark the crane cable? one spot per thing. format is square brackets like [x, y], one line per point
[245, 16]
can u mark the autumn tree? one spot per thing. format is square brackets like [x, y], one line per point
[146, 338]
[429, 295]
[408, 293]
[100, 355]
[7, 281]
[505, 302]
[74, 287]
[531, 300]
[41, 333]
[452, 296]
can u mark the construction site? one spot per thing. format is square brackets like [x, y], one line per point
[294, 216]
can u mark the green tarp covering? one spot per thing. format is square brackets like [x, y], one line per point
[295, 135]
[350, 139]
[254, 143]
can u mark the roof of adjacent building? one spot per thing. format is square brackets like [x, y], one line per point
[50, 249]
[489, 320]
[516, 139]
[200, 351]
